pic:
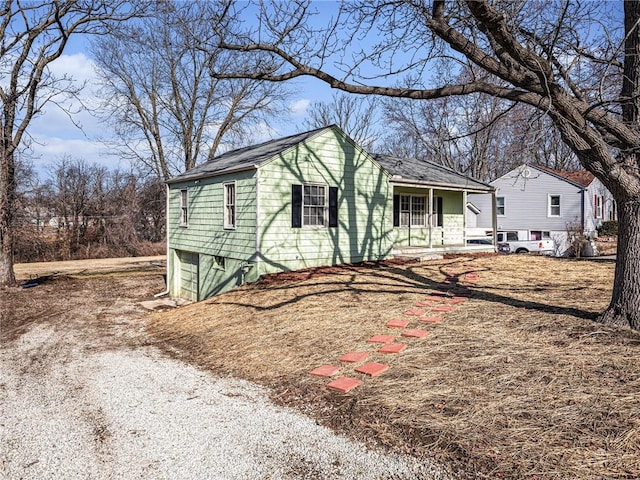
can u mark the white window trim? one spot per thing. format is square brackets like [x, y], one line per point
[184, 207]
[425, 215]
[504, 206]
[325, 207]
[226, 224]
[549, 214]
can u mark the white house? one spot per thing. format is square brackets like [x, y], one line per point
[540, 202]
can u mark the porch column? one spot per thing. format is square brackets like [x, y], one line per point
[464, 218]
[430, 216]
[494, 218]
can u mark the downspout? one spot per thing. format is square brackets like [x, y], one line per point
[494, 219]
[166, 232]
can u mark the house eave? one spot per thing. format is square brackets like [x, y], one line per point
[440, 186]
[202, 176]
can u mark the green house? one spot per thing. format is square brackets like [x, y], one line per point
[307, 200]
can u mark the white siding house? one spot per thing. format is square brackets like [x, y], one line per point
[540, 202]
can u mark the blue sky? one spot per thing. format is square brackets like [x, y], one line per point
[56, 135]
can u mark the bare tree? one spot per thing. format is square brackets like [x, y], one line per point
[72, 191]
[576, 62]
[355, 115]
[480, 135]
[167, 111]
[33, 35]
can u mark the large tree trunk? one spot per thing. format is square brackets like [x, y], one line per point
[7, 200]
[624, 309]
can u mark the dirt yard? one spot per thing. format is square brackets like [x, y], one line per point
[519, 381]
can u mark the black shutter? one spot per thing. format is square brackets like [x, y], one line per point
[333, 206]
[396, 210]
[296, 206]
[440, 213]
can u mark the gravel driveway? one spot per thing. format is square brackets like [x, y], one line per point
[94, 400]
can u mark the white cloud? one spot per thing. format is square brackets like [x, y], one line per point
[55, 134]
[78, 66]
[299, 107]
[47, 150]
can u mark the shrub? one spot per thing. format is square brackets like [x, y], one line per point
[608, 229]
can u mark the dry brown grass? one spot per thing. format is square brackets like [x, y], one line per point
[607, 245]
[519, 382]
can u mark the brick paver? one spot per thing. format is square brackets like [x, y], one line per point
[372, 369]
[325, 371]
[392, 348]
[344, 384]
[353, 357]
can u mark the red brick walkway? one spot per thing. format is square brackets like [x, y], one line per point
[452, 292]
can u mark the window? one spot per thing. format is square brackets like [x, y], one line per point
[500, 206]
[229, 205]
[405, 210]
[539, 235]
[554, 206]
[184, 208]
[314, 205]
[612, 212]
[597, 206]
[418, 211]
[218, 262]
[413, 211]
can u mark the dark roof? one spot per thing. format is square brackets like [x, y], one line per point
[410, 170]
[245, 158]
[579, 177]
[425, 172]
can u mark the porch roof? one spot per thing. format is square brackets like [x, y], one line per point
[427, 174]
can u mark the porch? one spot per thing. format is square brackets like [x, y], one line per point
[423, 253]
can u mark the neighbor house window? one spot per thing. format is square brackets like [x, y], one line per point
[597, 205]
[314, 205]
[554, 206]
[612, 212]
[184, 208]
[539, 235]
[500, 206]
[229, 205]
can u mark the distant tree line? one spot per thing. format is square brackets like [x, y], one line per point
[84, 210]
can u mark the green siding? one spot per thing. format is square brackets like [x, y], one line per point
[364, 216]
[205, 233]
[264, 240]
[214, 280]
[452, 230]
